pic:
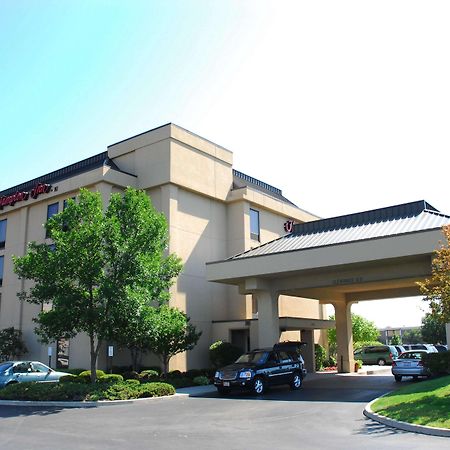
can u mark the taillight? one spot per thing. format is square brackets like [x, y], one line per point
[393, 364]
[420, 363]
[390, 355]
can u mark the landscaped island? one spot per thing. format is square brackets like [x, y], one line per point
[426, 403]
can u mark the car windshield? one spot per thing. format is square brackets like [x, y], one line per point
[411, 355]
[253, 357]
[4, 367]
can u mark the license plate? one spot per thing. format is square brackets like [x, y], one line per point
[226, 383]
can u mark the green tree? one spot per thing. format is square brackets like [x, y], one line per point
[433, 329]
[363, 330]
[396, 340]
[437, 288]
[412, 336]
[11, 343]
[170, 333]
[104, 267]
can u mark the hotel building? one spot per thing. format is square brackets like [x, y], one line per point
[213, 212]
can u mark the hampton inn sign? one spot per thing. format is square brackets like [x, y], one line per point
[11, 200]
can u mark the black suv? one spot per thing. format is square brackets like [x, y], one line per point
[261, 368]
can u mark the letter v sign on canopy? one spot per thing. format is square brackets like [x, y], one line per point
[19, 196]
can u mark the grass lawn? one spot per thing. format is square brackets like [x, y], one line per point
[421, 403]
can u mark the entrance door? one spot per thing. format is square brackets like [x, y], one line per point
[241, 339]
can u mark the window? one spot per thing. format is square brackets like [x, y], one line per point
[66, 201]
[254, 224]
[2, 233]
[51, 211]
[1, 269]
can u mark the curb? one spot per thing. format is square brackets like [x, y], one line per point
[405, 426]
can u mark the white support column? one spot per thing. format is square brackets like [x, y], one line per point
[344, 337]
[268, 320]
[308, 351]
[447, 331]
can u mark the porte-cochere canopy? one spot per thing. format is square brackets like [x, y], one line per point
[363, 256]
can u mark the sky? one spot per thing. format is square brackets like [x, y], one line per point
[343, 105]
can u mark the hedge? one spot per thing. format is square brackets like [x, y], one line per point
[84, 391]
[438, 363]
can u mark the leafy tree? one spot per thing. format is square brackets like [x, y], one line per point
[223, 353]
[412, 336]
[362, 329]
[104, 267]
[11, 343]
[433, 329]
[437, 288]
[396, 339]
[171, 333]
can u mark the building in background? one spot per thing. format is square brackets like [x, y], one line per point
[213, 212]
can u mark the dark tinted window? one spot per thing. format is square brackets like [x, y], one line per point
[1, 269]
[377, 350]
[284, 357]
[3, 233]
[253, 357]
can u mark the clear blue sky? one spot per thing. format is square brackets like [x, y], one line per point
[344, 105]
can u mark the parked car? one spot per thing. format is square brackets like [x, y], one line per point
[376, 354]
[428, 347]
[257, 370]
[400, 349]
[441, 348]
[409, 364]
[25, 371]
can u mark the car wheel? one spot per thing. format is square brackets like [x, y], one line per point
[222, 390]
[381, 362]
[296, 382]
[398, 378]
[259, 386]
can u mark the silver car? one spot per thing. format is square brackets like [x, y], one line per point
[25, 371]
[409, 364]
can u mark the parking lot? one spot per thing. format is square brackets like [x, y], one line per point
[325, 413]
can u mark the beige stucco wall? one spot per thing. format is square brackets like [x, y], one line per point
[189, 179]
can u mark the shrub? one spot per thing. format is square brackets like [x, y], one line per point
[149, 375]
[69, 378]
[330, 362]
[132, 382]
[174, 374]
[223, 353]
[111, 378]
[155, 368]
[84, 392]
[130, 375]
[359, 363]
[192, 373]
[201, 381]
[74, 371]
[86, 375]
[320, 355]
[438, 363]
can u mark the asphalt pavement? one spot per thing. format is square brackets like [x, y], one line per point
[325, 414]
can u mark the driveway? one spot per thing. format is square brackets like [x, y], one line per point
[325, 414]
